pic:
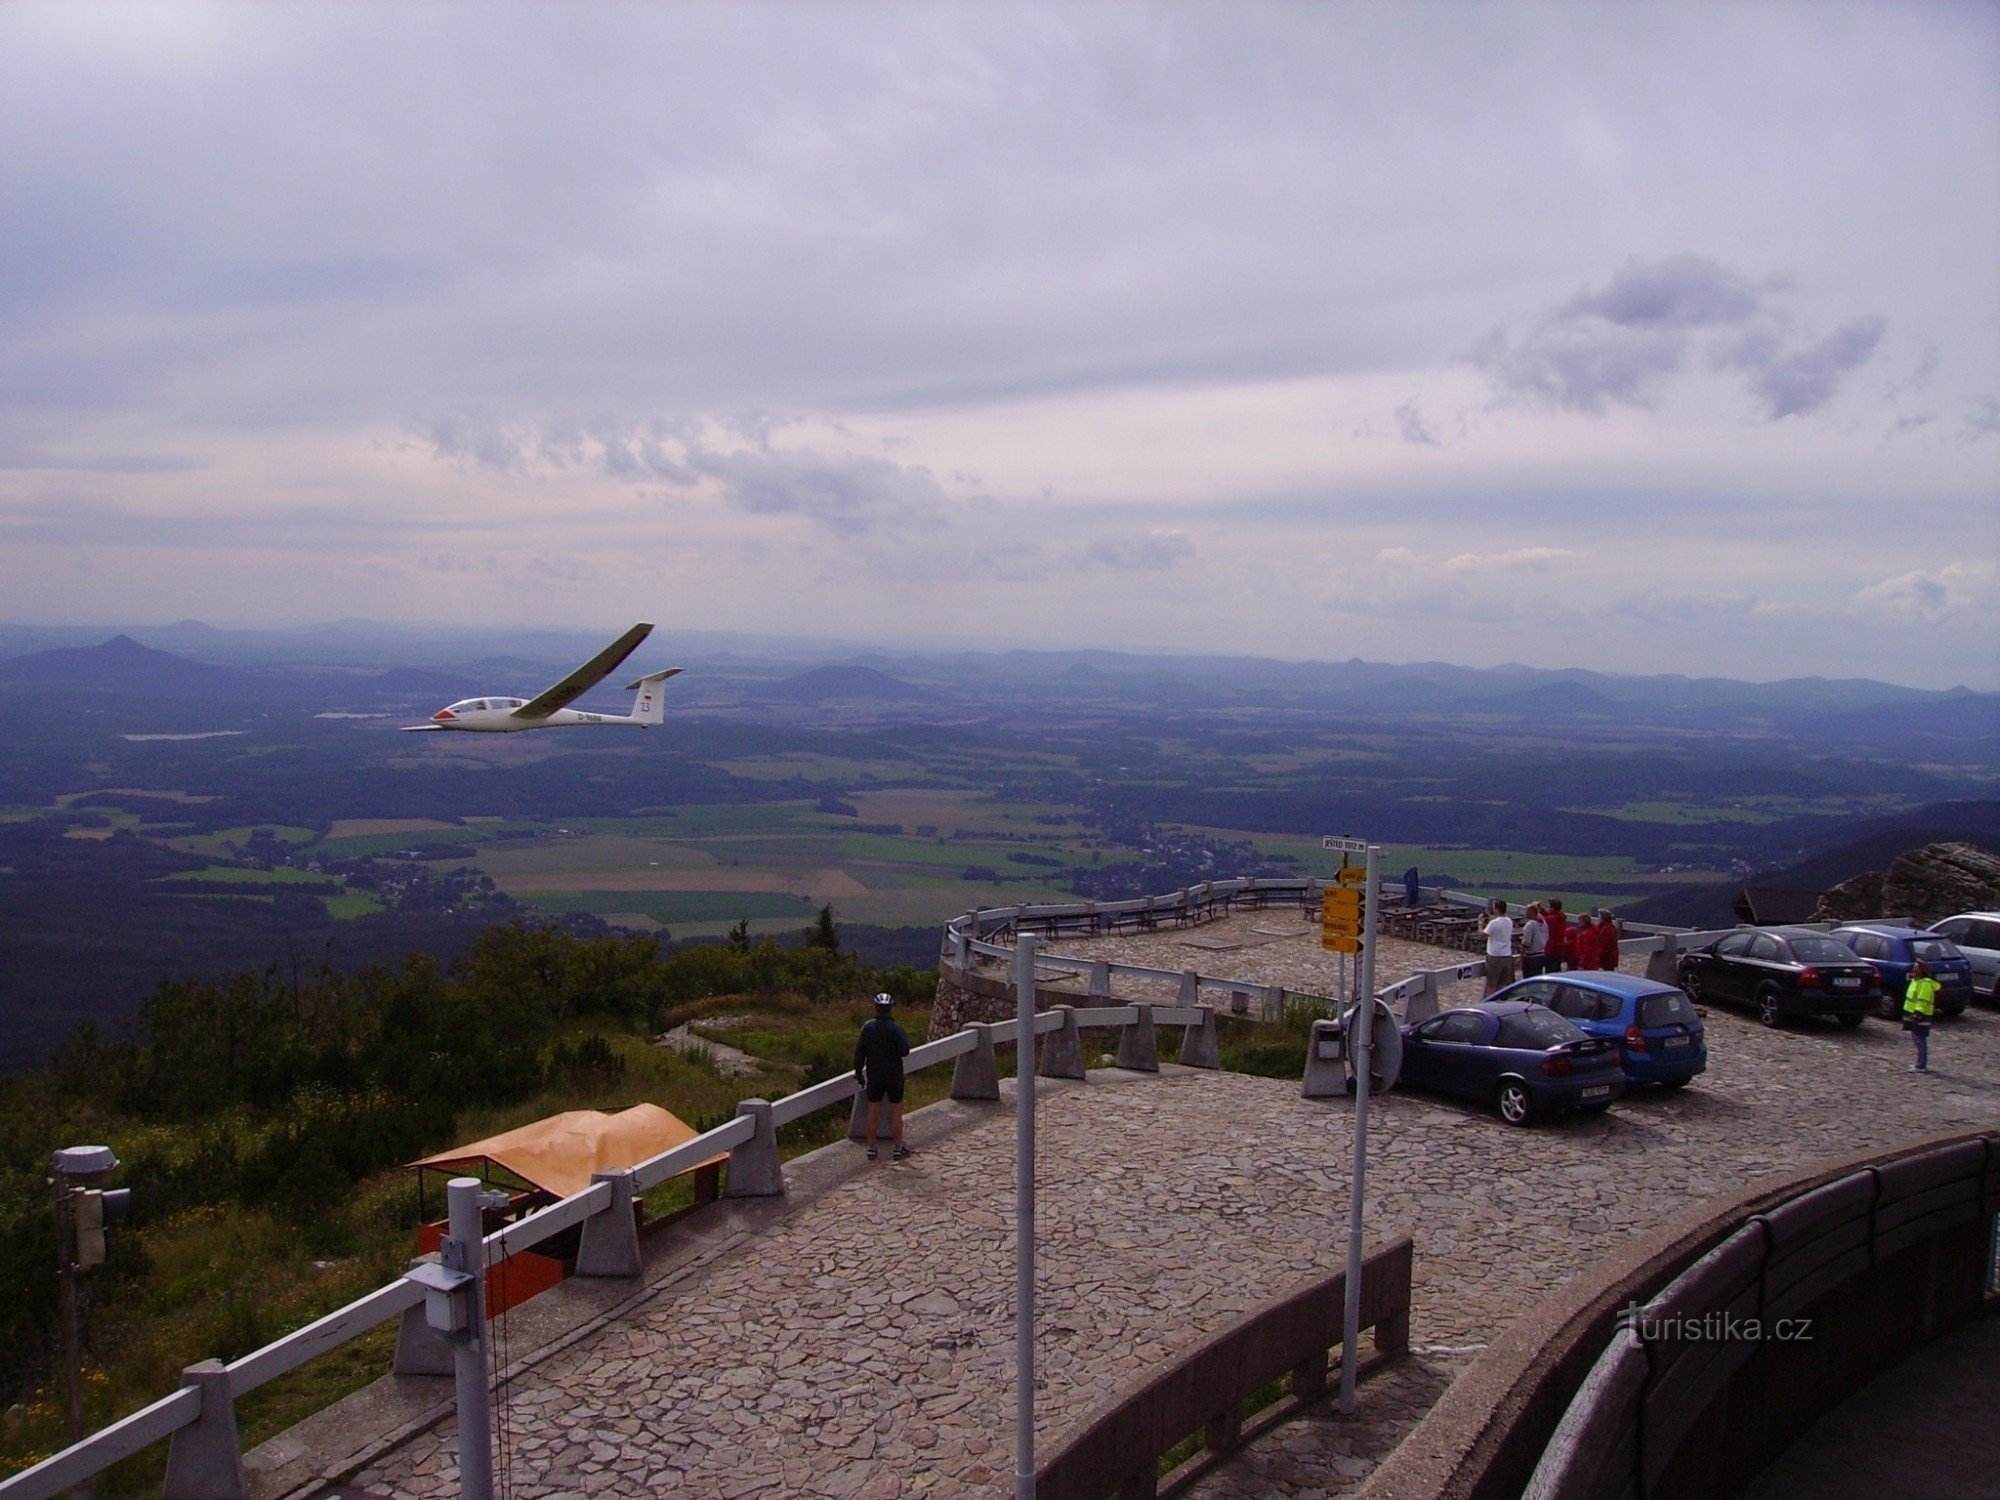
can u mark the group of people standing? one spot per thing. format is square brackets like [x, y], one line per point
[1549, 941]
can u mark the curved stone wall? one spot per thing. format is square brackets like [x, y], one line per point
[1881, 1252]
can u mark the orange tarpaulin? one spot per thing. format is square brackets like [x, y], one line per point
[560, 1153]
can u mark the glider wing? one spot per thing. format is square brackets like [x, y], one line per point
[585, 677]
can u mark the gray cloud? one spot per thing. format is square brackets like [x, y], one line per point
[1154, 551]
[1411, 424]
[848, 494]
[1623, 344]
[1806, 379]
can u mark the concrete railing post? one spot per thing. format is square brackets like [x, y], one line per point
[754, 1171]
[1326, 1068]
[1190, 990]
[1061, 1054]
[976, 1074]
[1138, 1047]
[1424, 1004]
[1201, 1047]
[420, 1348]
[1100, 980]
[857, 1119]
[609, 1245]
[205, 1461]
[1664, 966]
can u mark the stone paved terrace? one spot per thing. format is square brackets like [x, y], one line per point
[1267, 945]
[857, 1341]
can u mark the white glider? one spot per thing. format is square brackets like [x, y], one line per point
[550, 708]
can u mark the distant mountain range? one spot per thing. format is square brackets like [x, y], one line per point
[360, 667]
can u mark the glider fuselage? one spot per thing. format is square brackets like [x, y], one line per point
[496, 716]
[550, 709]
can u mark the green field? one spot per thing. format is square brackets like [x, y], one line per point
[239, 875]
[674, 909]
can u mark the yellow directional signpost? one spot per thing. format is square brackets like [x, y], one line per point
[1340, 918]
[1348, 913]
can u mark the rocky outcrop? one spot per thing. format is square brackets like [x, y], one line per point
[1853, 900]
[1924, 886]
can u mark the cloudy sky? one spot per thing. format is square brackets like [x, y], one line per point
[1644, 337]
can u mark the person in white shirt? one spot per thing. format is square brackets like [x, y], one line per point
[1534, 942]
[1499, 935]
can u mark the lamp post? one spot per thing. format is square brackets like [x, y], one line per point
[81, 1212]
[1024, 1219]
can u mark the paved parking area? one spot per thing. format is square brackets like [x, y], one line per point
[860, 1344]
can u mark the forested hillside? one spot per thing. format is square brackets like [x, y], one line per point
[261, 1120]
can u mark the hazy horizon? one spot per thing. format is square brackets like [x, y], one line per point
[800, 646]
[1657, 338]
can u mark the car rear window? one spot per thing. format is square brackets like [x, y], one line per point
[1930, 950]
[1536, 1029]
[1821, 950]
[1666, 1010]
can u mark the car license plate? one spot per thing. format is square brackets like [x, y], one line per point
[1597, 1093]
[1950, 980]
[1675, 1041]
[1846, 982]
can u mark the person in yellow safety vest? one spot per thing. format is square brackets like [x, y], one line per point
[1919, 1006]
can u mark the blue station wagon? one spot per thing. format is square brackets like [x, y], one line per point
[1659, 1035]
[1890, 949]
[1524, 1060]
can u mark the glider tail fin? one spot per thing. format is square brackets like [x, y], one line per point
[651, 707]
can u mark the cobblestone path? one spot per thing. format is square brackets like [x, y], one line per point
[862, 1345]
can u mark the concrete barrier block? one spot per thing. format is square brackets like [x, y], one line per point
[1201, 1047]
[857, 1118]
[1061, 1052]
[205, 1460]
[1326, 1062]
[609, 1245]
[754, 1171]
[1138, 1045]
[420, 1348]
[1424, 1004]
[1664, 966]
[976, 1074]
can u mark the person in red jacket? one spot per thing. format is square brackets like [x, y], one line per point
[1561, 954]
[1607, 939]
[1583, 942]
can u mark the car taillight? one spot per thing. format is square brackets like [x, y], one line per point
[1555, 1066]
[1809, 978]
[1635, 1039]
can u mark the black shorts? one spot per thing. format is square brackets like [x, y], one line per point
[887, 1088]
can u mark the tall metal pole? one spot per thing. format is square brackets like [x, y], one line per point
[1024, 1219]
[465, 1250]
[68, 1276]
[1361, 1046]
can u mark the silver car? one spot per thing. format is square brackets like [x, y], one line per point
[1977, 934]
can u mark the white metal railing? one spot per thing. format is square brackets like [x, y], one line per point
[76, 1464]
[164, 1418]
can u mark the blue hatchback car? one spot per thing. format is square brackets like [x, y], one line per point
[1659, 1034]
[1524, 1060]
[1889, 950]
